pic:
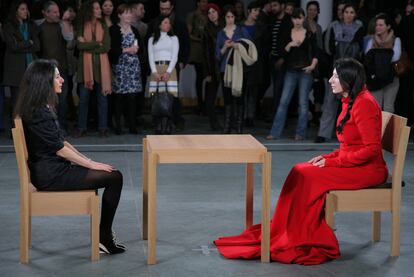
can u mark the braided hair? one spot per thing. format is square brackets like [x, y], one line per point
[351, 75]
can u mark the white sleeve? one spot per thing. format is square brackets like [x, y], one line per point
[151, 55]
[397, 50]
[174, 54]
[369, 45]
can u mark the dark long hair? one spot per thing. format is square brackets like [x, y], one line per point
[157, 30]
[11, 17]
[36, 88]
[351, 76]
[86, 14]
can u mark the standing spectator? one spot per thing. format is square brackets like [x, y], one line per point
[107, 12]
[226, 39]
[212, 68]
[142, 27]
[265, 13]
[345, 41]
[196, 22]
[240, 12]
[311, 24]
[281, 24]
[256, 73]
[94, 72]
[289, 7]
[2, 49]
[125, 67]
[300, 60]
[68, 32]
[138, 17]
[181, 31]
[386, 92]
[53, 46]
[22, 43]
[163, 49]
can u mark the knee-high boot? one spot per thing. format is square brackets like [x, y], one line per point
[239, 114]
[227, 119]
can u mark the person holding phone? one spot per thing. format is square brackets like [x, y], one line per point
[126, 67]
[226, 39]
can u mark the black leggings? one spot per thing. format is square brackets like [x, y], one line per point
[95, 179]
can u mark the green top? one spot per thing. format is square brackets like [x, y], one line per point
[96, 49]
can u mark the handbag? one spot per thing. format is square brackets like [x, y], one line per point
[162, 103]
[404, 65]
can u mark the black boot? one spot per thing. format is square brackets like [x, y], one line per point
[227, 119]
[239, 118]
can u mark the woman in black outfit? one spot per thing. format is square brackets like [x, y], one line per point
[22, 44]
[211, 65]
[55, 165]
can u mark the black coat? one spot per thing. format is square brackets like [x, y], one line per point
[210, 63]
[116, 44]
[16, 49]
[257, 73]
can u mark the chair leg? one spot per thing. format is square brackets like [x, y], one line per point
[24, 235]
[329, 210]
[30, 233]
[95, 228]
[376, 226]
[395, 233]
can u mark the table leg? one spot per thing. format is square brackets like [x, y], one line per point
[144, 189]
[249, 194]
[266, 172]
[152, 208]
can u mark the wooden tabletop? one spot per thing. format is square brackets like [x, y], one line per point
[205, 148]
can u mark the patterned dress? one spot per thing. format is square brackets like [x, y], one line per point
[127, 73]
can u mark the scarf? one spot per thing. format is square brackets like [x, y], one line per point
[386, 42]
[233, 73]
[346, 32]
[104, 61]
[24, 31]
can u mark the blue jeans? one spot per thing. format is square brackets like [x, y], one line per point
[1, 108]
[277, 74]
[84, 106]
[293, 78]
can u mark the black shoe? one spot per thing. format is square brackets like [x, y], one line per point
[319, 139]
[111, 246]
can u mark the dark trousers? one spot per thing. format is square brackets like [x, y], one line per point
[199, 86]
[210, 98]
[125, 102]
[277, 76]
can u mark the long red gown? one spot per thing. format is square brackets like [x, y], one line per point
[298, 231]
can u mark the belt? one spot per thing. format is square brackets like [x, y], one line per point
[162, 62]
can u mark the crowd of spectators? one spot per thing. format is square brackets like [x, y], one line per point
[109, 53]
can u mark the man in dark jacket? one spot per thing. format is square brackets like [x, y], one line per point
[53, 46]
[179, 29]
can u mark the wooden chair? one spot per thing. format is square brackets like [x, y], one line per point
[385, 197]
[40, 203]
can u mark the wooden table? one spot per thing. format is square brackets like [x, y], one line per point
[204, 149]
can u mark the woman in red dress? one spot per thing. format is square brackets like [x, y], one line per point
[298, 231]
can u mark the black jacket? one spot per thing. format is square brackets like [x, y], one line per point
[116, 44]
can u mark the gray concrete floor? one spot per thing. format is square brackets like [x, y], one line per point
[196, 204]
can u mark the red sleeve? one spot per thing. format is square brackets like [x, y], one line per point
[367, 117]
[333, 154]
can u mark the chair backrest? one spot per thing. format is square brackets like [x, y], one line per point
[22, 157]
[395, 134]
